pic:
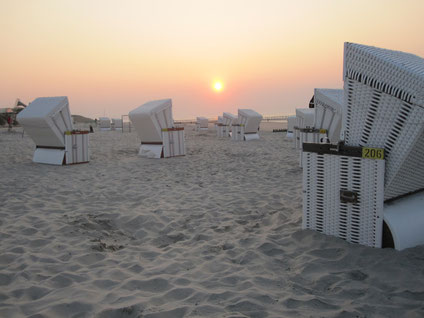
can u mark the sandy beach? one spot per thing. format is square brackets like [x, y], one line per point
[216, 233]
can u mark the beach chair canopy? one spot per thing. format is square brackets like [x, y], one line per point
[220, 120]
[46, 119]
[228, 119]
[117, 122]
[250, 119]
[150, 118]
[202, 121]
[104, 122]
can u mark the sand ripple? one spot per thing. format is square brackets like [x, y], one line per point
[213, 234]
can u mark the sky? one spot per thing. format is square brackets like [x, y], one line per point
[110, 57]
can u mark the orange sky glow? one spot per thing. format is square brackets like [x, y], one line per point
[109, 57]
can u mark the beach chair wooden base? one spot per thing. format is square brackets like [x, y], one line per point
[151, 151]
[249, 137]
[75, 150]
[49, 156]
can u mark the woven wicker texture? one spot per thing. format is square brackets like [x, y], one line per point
[396, 73]
[383, 108]
[323, 178]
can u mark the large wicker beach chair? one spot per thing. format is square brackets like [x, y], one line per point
[367, 190]
[47, 120]
[155, 126]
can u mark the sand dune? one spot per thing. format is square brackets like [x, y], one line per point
[213, 234]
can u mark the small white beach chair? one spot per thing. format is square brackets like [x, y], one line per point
[202, 123]
[227, 122]
[48, 122]
[104, 123]
[328, 113]
[116, 124]
[248, 124]
[291, 121]
[219, 127]
[304, 120]
[155, 126]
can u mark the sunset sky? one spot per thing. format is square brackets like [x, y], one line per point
[109, 57]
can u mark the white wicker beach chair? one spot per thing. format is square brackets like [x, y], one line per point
[227, 122]
[155, 126]
[304, 120]
[328, 112]
[249, 120]
[201, 123]
[384, 105]
[104, 123]
[291, 122]
[47, 120]
[117, 123]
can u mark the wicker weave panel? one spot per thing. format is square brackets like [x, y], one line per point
[396, 73]
[323, 178]
[376, 119]
[384, 107]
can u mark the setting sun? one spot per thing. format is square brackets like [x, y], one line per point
[217, 86]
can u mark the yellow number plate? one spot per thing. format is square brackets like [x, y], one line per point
[323, 131]
[373, 153]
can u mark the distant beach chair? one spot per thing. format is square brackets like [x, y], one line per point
[116, 124]
[304, 120]
[48, 122]
[291, 121]
[104, 123]
[202, 123]
[227, 122]
[328, 114]
[155, 126]
[219, 127]
[247, 126]
[368, 190]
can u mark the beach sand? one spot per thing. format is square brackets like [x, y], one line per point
[216, 233]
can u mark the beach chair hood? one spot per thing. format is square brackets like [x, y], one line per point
[46, 119]
[150, 118]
